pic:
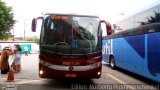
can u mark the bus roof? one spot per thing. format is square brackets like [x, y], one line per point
[71, 14]
[145, 29]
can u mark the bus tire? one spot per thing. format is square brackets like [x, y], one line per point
[112, 62]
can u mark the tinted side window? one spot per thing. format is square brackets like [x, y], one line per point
[146, 17]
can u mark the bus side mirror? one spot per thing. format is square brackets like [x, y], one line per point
[34, 23]
[108, 27]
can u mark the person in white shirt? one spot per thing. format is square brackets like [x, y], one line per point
[26, 50]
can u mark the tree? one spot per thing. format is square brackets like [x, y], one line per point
[6, 20]
[152, 19]
[34, 39]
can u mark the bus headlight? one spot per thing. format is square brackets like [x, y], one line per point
[95, 65]
[40, 72]
[99, 73]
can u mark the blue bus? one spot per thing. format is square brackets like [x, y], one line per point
[134, 44]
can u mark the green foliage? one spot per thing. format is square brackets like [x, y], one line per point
[6, 20]
[33, 39]
[152, 19]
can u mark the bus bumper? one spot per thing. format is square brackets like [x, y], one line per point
[45, 72]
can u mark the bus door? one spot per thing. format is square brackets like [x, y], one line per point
[119, 51]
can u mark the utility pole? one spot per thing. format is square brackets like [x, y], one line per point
[13, 34]
[24, 31]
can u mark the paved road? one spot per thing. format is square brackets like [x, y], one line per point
[111, 79]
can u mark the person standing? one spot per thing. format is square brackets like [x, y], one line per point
[17, 56]
[4, 64]
[26, 50]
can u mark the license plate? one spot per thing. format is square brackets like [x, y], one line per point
[71, 75]
[71, 63]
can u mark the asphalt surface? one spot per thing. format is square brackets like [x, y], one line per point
[28, 79]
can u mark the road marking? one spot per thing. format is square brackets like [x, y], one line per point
[120, 81]
[28, 81]
[19, 81]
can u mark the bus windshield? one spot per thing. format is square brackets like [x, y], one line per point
[70, 34]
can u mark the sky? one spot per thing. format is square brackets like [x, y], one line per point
[109, 10]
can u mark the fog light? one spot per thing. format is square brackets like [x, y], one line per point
[40, 72]
[99, 73]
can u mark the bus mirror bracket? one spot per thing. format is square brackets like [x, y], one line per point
[108, 27]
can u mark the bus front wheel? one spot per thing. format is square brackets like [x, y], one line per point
[112, 62]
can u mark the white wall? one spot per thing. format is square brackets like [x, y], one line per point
[34, 46]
